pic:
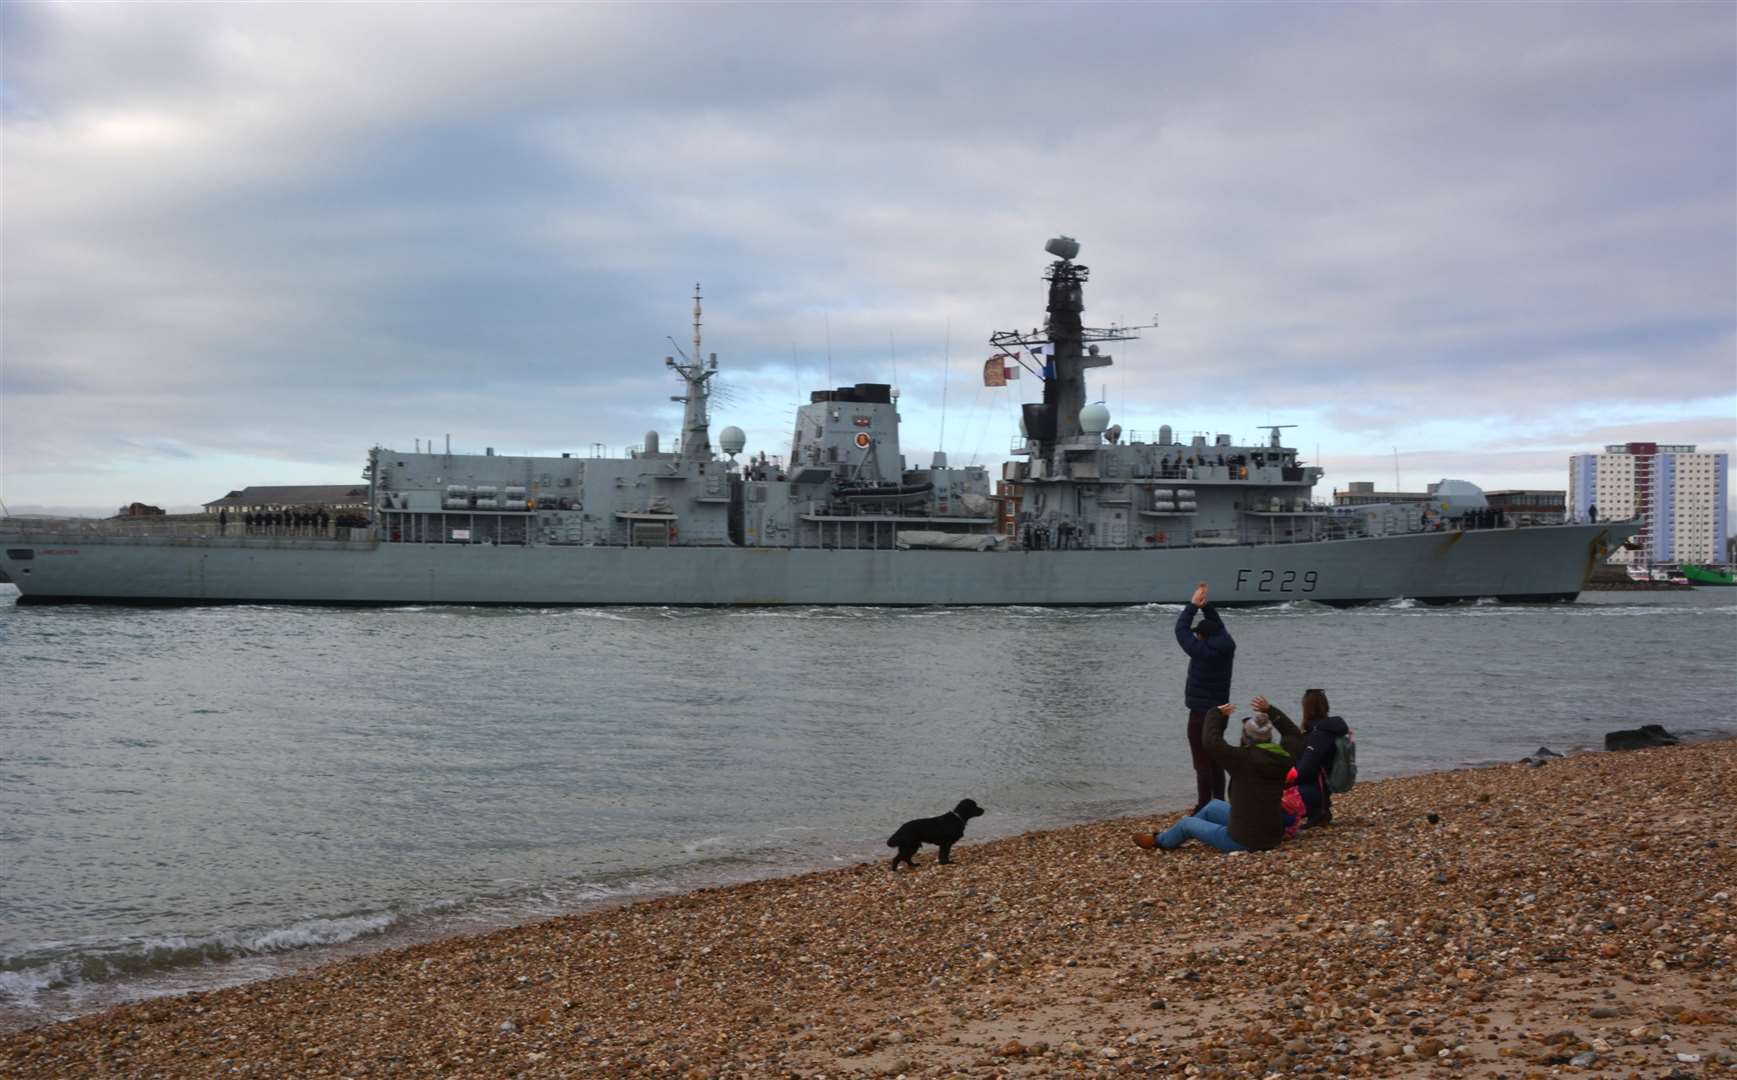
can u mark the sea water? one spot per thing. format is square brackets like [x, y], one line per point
[191, 797]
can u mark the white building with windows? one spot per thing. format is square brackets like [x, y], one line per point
[1678, 494]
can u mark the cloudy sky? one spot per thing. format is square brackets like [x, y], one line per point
[243, 243]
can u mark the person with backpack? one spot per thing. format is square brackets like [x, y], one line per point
[1325, 755]
[1211, 655]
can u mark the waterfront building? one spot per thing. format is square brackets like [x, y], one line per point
[1363, 493]
[269, 498]
[1008, 497]
[1530, 507]
[1677, 493]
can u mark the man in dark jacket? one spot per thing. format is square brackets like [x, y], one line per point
[1211, 653]
[1254, 819]
[1313, 746]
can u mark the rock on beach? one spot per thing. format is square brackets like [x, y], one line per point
[1573, 920]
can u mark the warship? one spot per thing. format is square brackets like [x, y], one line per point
[1085, 517]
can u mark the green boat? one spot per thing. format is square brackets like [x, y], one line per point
[1706, 575]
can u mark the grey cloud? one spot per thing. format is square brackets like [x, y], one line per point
[316, 226]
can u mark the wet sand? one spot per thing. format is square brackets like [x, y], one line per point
[1579, 918]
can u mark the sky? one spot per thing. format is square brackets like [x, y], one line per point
[240, 244]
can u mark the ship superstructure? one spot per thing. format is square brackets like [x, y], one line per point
[842, 518]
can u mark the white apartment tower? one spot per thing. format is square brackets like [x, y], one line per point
[1678, 495]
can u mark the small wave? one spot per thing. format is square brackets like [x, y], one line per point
[1649, 609]
[317, 932]
[836, 614]
[24, 976]
[23, 986]
[705, 843]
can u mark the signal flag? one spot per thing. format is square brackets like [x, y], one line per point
[996, 372]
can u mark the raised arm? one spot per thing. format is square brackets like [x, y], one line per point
[1290, 736]
[1212, 738]
[1191, 645]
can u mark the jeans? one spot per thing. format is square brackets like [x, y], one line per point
[1315, 800]
[1211, 825]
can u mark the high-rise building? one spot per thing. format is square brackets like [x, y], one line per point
[1677, 494]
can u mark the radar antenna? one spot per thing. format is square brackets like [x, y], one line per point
[1273, 441]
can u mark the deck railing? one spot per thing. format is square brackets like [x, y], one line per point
[105, 530]
[1340, 524]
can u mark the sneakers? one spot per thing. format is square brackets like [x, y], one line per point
[1146, 840]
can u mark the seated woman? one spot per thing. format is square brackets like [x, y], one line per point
[1254, 819]
[1313, 745]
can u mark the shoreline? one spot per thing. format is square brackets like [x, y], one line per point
[638, 886]
[1549, 913]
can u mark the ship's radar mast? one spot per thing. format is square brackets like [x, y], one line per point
[697, 373]
[1273, 440]
[1064, 339]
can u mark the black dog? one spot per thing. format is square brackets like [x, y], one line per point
[943, 832]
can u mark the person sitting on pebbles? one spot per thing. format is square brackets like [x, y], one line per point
[1314, 745]
[1254, 819]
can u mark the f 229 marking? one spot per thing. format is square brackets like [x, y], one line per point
[1274, 581]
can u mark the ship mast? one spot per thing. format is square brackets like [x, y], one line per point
[1071, 349]
[697, 373]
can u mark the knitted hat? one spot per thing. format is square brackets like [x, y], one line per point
[1257, 729]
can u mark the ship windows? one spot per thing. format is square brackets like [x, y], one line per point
[20, 554]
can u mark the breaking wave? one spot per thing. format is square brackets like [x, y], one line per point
[65, 966]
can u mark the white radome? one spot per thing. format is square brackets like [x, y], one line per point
[731, 440]
[1455, 497]
[1094, 418]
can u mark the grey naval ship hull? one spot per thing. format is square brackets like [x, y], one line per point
[1540, 563]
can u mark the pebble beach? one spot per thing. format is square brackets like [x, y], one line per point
[1576, 918]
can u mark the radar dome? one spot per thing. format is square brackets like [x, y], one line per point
[1094, 418]
[1455, 497]
[731, 440]
[1063, 247]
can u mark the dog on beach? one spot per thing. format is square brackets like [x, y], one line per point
[943, 832]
